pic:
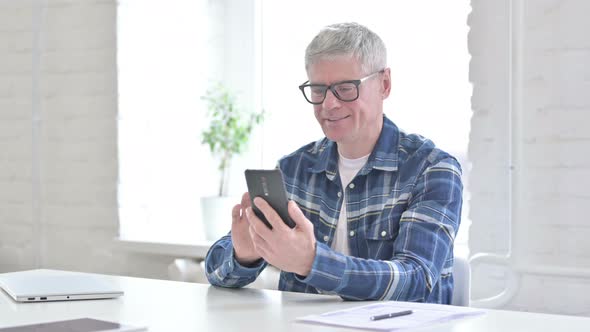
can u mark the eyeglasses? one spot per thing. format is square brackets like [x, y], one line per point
[345, 91]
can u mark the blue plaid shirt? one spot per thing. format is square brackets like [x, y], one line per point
[403, 211]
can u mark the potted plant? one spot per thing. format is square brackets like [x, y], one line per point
[227, 136]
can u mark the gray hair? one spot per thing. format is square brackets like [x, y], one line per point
[348, 39]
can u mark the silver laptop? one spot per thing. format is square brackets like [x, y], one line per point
[53, 285]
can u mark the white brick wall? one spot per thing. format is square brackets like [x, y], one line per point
[78, 141]
[489, 127]
[553, 105]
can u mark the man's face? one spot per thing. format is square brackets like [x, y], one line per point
[350, 123]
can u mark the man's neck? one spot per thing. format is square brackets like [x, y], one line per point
[352, 152]
[360, 147]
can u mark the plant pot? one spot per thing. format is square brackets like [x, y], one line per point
[216, 215]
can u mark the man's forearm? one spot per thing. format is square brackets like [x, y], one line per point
[367, 279]
[222, 269]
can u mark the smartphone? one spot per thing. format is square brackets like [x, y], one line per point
[268, 184]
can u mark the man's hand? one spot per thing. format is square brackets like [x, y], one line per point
[291, 250]
[244, 250]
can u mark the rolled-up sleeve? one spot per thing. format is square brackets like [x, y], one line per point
[222, 269]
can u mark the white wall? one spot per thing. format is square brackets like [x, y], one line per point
[541, 69]
[75, 220]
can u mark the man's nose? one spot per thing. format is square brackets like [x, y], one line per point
[330, 101]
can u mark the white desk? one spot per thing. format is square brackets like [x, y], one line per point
[176, 306]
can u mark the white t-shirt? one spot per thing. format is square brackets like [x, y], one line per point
[347, 169]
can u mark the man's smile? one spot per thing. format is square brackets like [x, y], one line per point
[335, 119]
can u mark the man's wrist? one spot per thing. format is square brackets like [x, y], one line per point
[247, 261]
[309, 266]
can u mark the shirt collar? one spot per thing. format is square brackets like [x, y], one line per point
[383, 157]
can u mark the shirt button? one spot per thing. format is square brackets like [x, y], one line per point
[326, 238]
[339, 194]
[351, 233]
[383, 233]
[351, 186]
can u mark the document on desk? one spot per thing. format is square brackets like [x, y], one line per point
[422, 314]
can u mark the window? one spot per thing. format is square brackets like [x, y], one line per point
[161, 67]
[162, 162]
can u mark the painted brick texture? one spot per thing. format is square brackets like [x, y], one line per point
[77, 217]
[552, 137]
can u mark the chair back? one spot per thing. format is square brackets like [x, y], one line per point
[462, 286]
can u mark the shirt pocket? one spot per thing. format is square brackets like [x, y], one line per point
[381, 232]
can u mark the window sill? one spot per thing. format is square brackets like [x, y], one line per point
[197, 250]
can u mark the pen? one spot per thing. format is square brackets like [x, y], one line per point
[391, 315]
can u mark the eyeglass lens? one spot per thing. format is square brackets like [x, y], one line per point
[344, 91]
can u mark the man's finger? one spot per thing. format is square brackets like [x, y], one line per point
[245, 200]
[235, 213]
[298, 217]
[271, 215]
[258, 225]
[258, 241]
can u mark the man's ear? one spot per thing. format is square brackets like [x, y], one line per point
[386, 83]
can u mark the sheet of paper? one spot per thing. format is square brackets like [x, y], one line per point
[423, 314]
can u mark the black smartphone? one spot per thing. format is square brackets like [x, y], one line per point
[268, 184]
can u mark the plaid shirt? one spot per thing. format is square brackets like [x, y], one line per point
[403, 211]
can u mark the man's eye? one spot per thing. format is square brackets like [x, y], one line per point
[317, 90]
[345, 89]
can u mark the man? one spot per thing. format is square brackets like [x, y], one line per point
[376, 210]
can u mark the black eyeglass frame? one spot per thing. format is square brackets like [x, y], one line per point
[332, 88]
